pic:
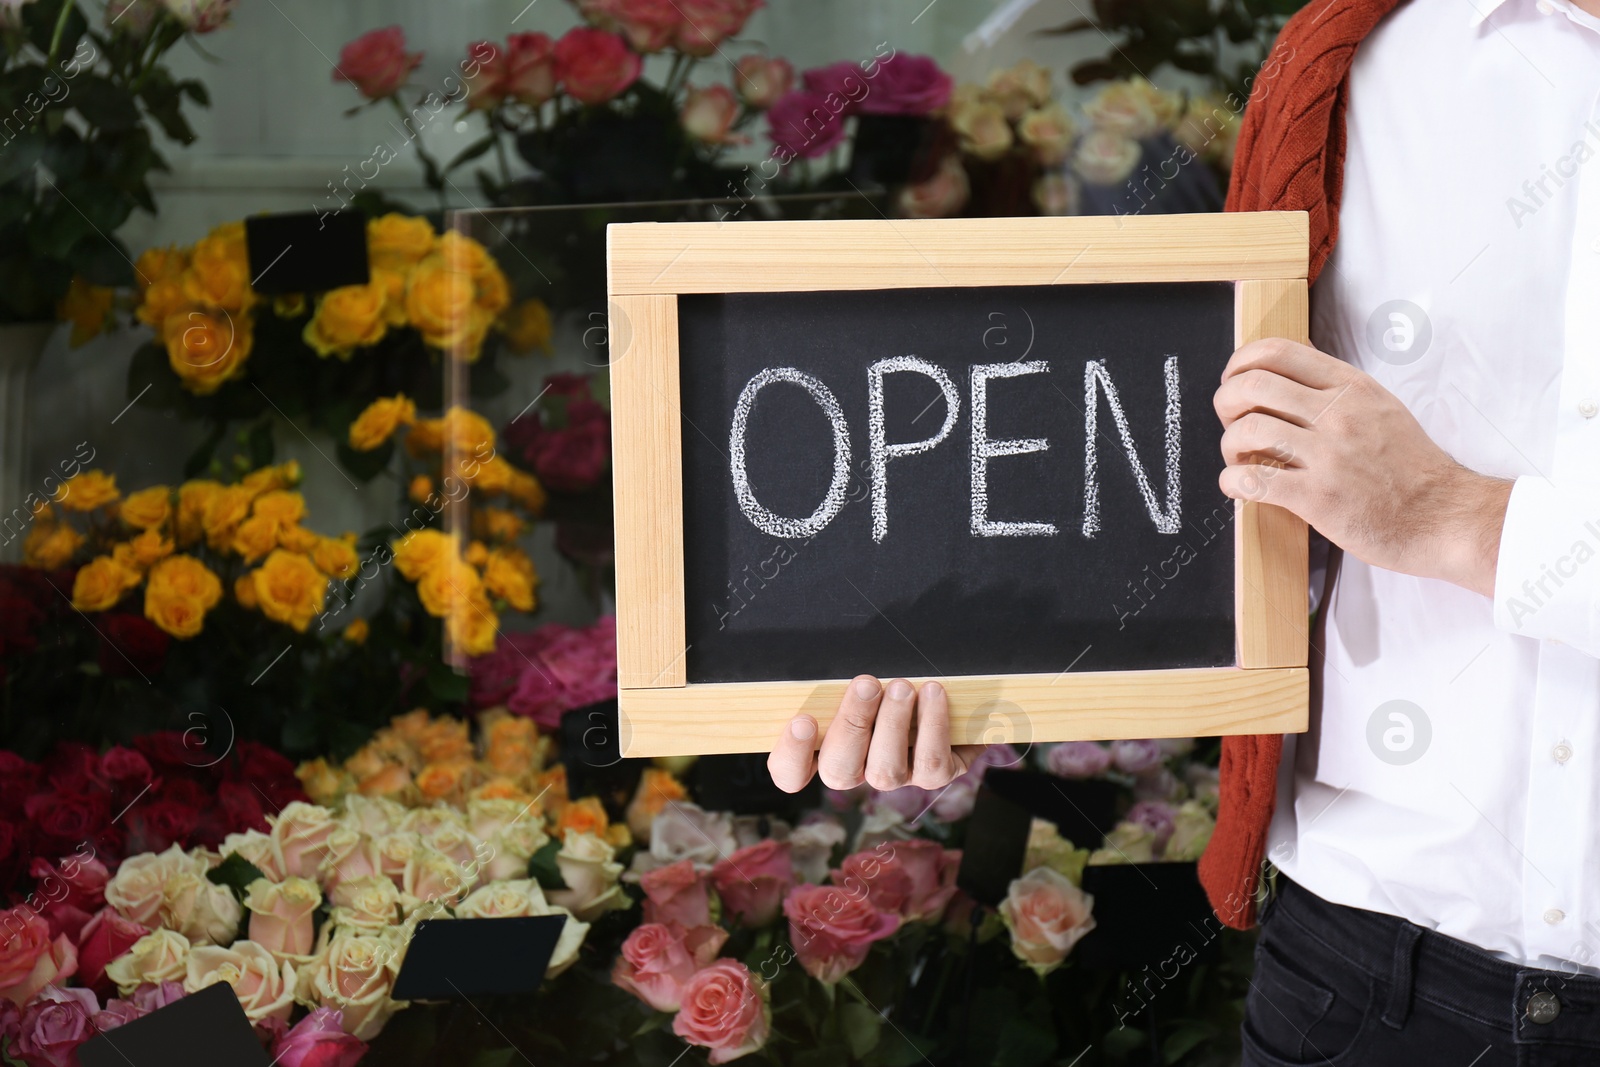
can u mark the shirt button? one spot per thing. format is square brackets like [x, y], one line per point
[1562, 752]
[1543, 1008]
[1544, 8]
[1588, 408]
[1553, 916]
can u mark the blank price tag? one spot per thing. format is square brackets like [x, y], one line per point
[306, 252]
[451, 959]
[203, 1029]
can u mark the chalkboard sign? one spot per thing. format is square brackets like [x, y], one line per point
[982, 451]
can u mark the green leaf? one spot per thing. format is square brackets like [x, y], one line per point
[103, 263]
[471, 152]
[22, 154]
[104, 104]
[201, 457]
[259, 448]
[447, 685]
[494, 1057]
[151, 381]
[543, 868]
[862, 1028]
[236, 873]
[195, 91]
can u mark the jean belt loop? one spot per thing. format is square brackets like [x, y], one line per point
[1402, 975]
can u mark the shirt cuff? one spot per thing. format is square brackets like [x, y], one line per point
[1547, 581]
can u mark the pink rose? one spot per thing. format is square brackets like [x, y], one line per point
[318, 1040]
[708, 115]
[833, 929]
[548, 671]
[29, 959]
[676, 893]
[907, 85]
[300, 835]
[707, 23]
[116, 1013]
[594, 66]
[1046, 915]
[82, 881]
[654, 965]
[843, 79]
[649, 25]
[125, 770]
[724, 1010]
[281, 915]
[54, 1025]
[105, 937]
[804, 125]
[523, 70]
[1079, 759]
[753, 880]
[377, 63]
[761, 81]
[940, 196]
[913, 879]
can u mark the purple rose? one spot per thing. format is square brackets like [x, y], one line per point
[319, 1040]
[148, 998]
[1131, 757]
[1157, 783]
[803, 124]
[955, 801]
[117, 1013]
[54, 1024]
[907, 85]
[1157, 817]
[910, 801]
[1079, 759]
[1001, 755]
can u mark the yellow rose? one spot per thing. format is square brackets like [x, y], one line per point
[356, 632]
[255, 537]
[87, 491]
[51, 545]
[421, 489]
[193, 499]
[282, 506]
[147, 508]
[347, 319]
[289, 305]
[451, 580]
[983, 130]
[442, 304]
[421, 551]
[496, 524]
[335, 557]
[290, 589]
[472, 624]
[526, 490]
[179, 593]
[206, 349]
[283, 476]
[398, 242]
[477, 553]
[492, 475]
[298, 539]
[393, 284]
[159, 265]
[163, 299]
[427, 435]
[469, 432]
[509, 575]
[87, 307]
[225, 510]
[100, 583]
[527, 326]
[379, 421]
[150, 548]
[219, 271]
[244, 591]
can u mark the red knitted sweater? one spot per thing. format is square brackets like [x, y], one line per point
[1290, 157]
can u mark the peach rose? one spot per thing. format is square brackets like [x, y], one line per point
[431, 875]
[676, 893]
[256, 848]
[724, 1010]
[761, 81]
[354, 973]
[29, 959]
[983, 130]
[395, 851]
[299, 837]
[1133, 108]
[941, 196]
[657, 789]
[591, 873]
[372, 902]
[708, 115]
[137, 889]
[1046, 915]
[832, 929]
[1105, 157]
[1049, 132]
[281, 915]
[373, 815]
[159, 956]
[1055, 194]
[198, 908]
[914, 879]
[511, 847]
[753, 880]
[264, 985]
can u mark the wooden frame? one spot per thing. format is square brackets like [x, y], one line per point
[650, 264]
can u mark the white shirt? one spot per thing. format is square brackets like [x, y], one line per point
[1472, 191]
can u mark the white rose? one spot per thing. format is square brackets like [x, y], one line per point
[159, 956]
[263, 984]
[199, 909]
[684, 831]
[136, 889]
[590, 872]
[811, 846]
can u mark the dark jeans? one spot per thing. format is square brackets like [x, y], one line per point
[1337, 985]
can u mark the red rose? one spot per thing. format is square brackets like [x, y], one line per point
[104, 937]
[264, 766]
[155, 825]
[64, 821]
[125, 771]
[23, 594]
[77, 881]
[707, 23]
[377, 62]
[574, 459]
[72, 767]
[593, 66]
[18, 781]
[13, 853]
[131, 645]
[907, 85]
[171, 749]
[241, 808]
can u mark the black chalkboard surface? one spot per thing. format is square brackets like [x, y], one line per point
[1035, 544]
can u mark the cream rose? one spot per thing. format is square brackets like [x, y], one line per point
[1055, 194]
[983, 130]
[395, 851]
[264, 984]
[1106, 158]
[281, 916]
[256, 849]
[943, 194]
[591, 874]
[1133, 108]
[370, 903]
[510, 849]
[199, 909]
[1046, 915]
[373, 815]
[354, 973]
[1049, 132]
[159, 956]
[299, 838]
[431, 875]
[487, 817]
[136, 890]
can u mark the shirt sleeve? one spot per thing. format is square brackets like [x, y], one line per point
[1547, 581]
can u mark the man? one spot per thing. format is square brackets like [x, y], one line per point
[1438, 900]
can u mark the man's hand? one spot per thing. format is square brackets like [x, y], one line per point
[1315, 435]
[870, 741]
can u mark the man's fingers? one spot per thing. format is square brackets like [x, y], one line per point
[1257, 436]
[794, 757]
[1269, 393]
[843, 756]
[933, 763]
[891, 736]
[1265, 485]
[1300, 363]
